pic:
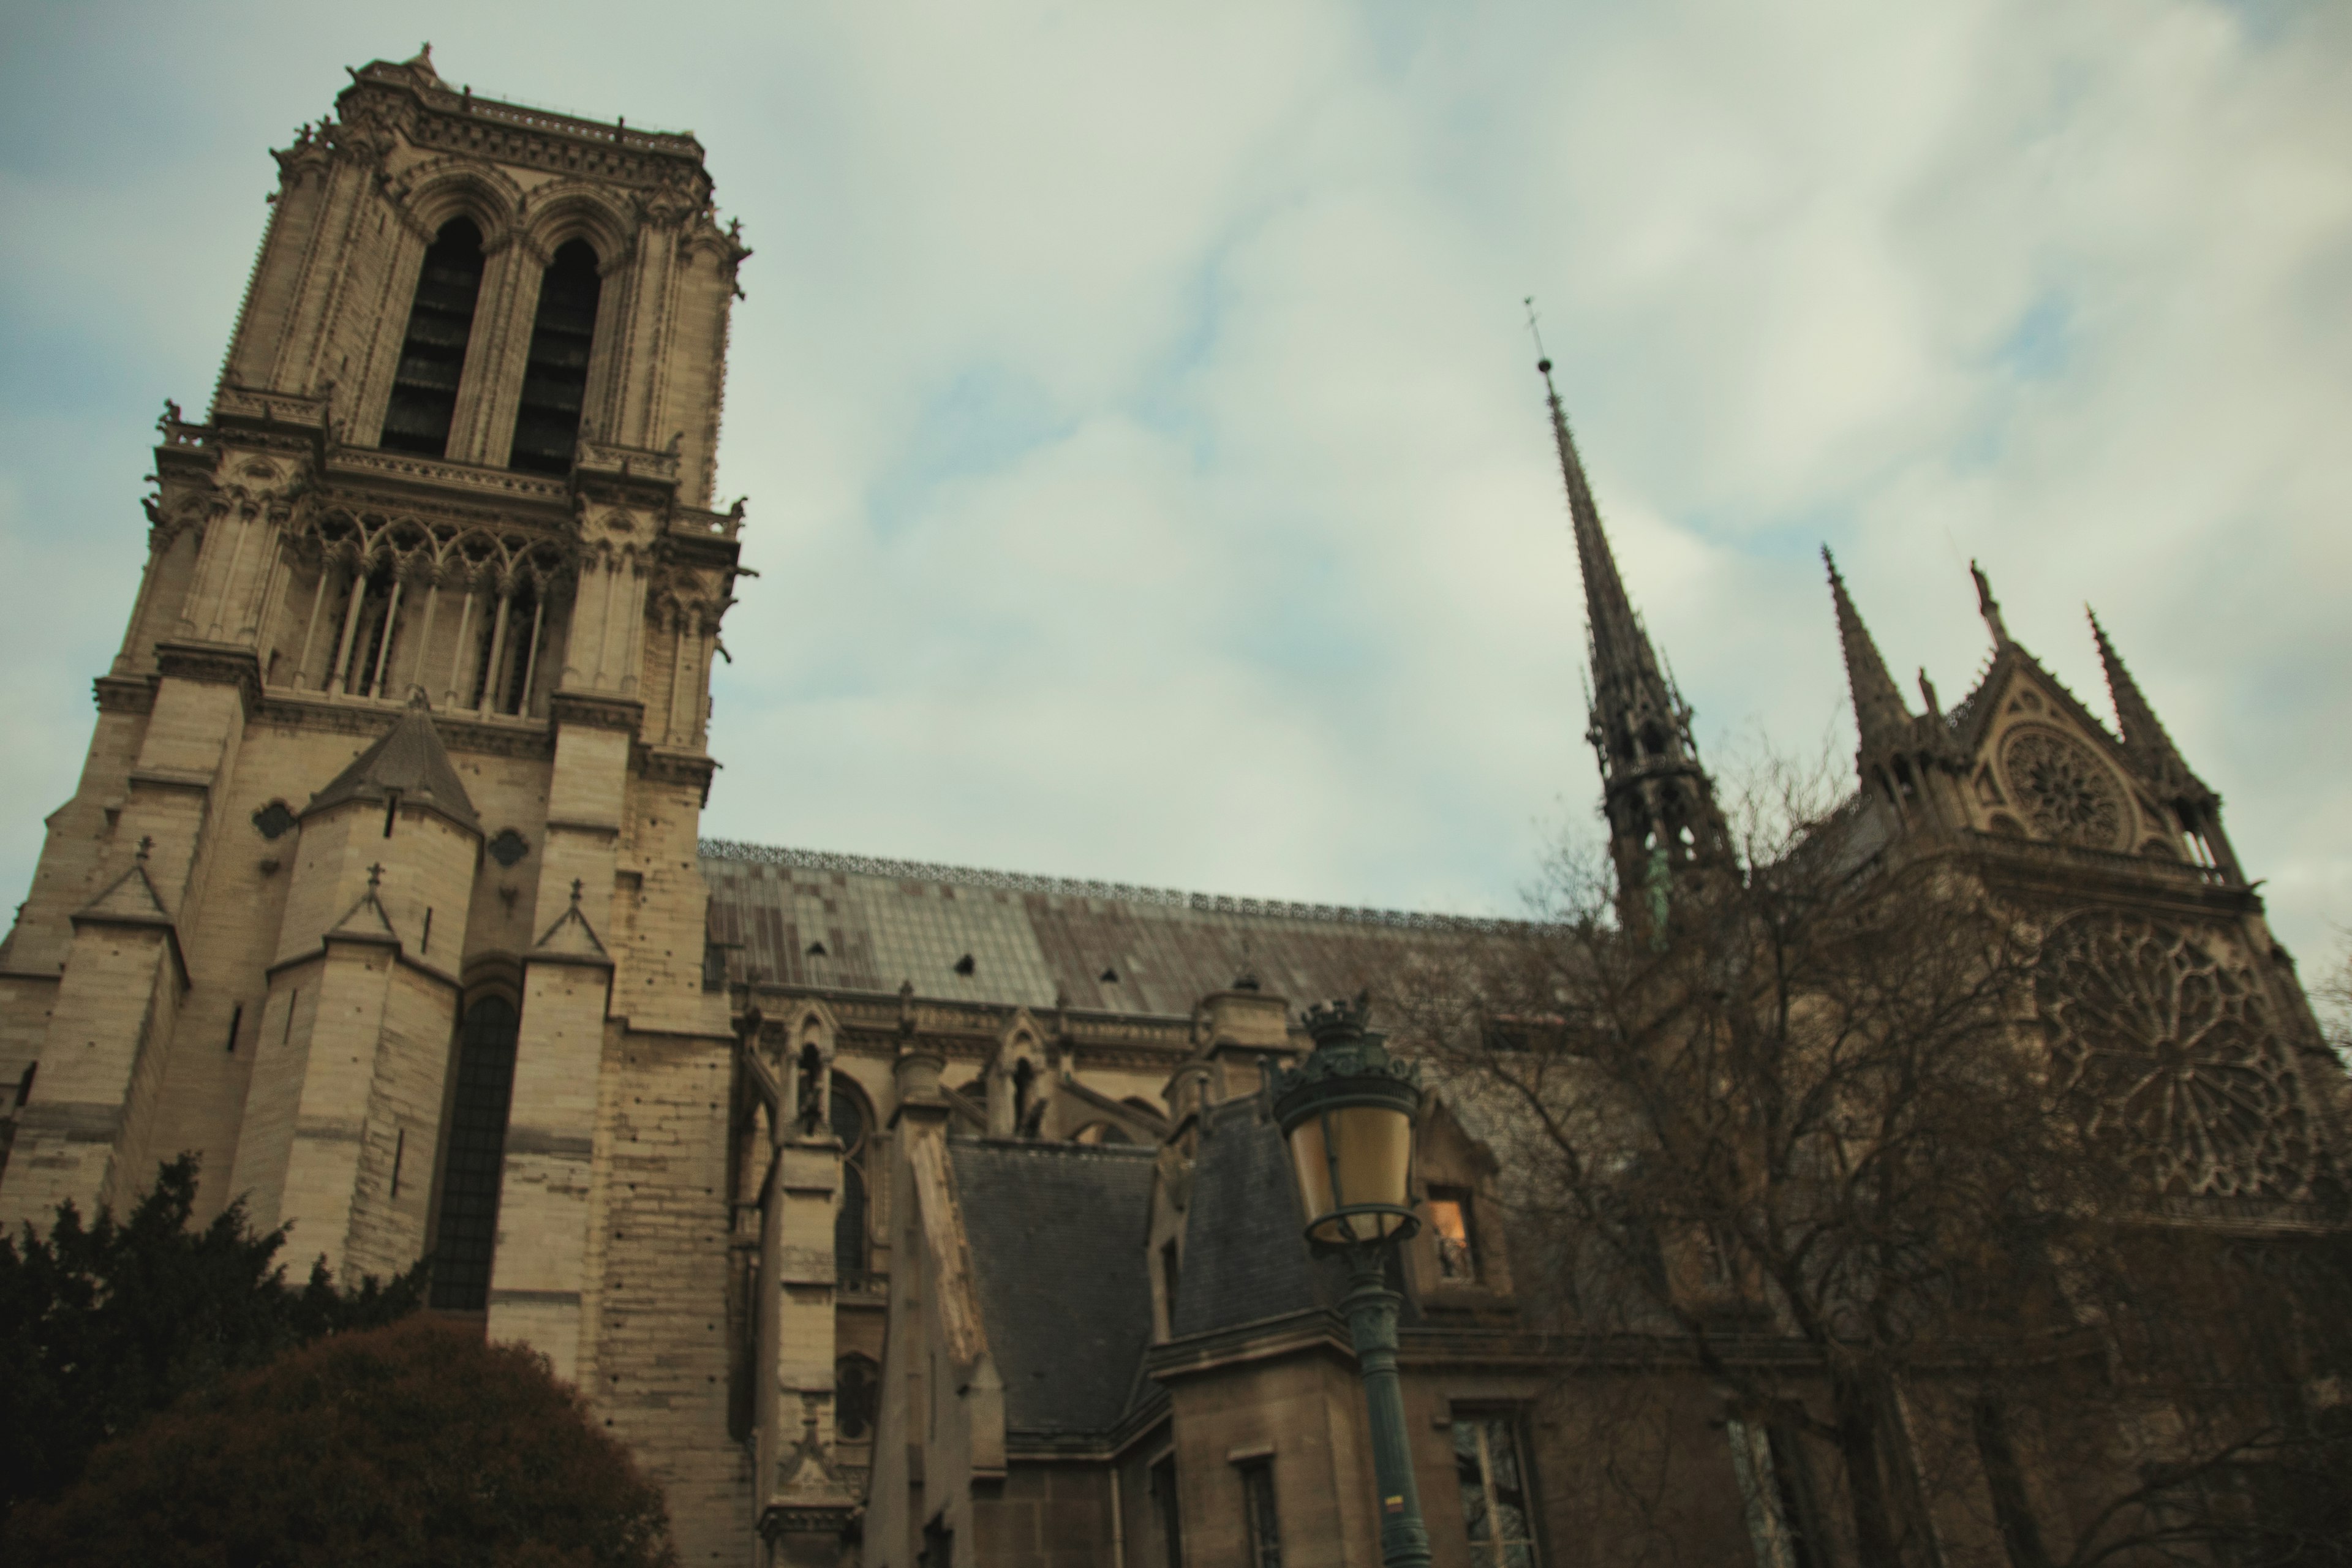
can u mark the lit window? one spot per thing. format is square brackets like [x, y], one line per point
[1449, 1221]
[1493, 1491]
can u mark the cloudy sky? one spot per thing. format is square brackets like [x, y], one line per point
[1145, 461]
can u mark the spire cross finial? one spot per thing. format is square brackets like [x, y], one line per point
[576, 885]
[1543, 360]
[146, 846]
[376, 876]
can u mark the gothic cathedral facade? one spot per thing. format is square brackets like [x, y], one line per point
[889, 1212]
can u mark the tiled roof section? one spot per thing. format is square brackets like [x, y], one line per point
[1056, 1232]
[410, 760]
[1245, 1256]
[1111, 947]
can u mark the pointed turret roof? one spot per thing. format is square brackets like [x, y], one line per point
[2146, 745]
[410, 763]
[1881, 717]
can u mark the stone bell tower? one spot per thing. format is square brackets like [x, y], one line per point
[380, 879]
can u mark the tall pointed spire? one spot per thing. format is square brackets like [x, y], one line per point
[2144, 742]
[1658, 798]
[1881, 719]
[1989, 607]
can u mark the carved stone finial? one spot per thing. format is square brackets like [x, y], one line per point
[146, 846]
[576, 885]
[376, 876]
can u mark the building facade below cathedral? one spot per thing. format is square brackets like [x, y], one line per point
[892, 1213]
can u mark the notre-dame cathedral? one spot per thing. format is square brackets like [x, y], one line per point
[890, 1213]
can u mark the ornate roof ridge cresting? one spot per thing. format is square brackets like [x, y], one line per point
[1072, 887]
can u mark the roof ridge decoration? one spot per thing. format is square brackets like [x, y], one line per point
[572, 939]
[132, 896]
[355, 927]
[854, 865]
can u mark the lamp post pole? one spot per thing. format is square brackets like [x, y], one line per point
[1371, 1309]
[1346, 1112]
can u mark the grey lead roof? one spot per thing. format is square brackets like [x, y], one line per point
[1111, 947]
[1056, 1232]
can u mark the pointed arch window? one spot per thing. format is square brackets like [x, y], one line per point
[851, 1260]
[433, 354]
[555, 381]
[477, 1153]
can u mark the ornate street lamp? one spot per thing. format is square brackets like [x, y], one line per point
[1347, 1112]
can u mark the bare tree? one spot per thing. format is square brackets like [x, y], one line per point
[1809, 1110]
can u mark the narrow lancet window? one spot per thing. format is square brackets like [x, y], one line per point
[432, 356]
[555, 381]
[477, 1135]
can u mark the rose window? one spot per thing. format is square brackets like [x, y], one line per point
[2169, 1053]
[2068, 793]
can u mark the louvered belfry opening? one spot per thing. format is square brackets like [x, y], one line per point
[432, 356]
[555, 381]
[476, 1154]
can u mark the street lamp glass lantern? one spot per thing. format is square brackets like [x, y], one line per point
[1347, 1112]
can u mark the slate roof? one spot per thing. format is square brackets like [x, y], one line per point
[884, 921]
[1245, 1256]
[1057, 1233]
[411, 760]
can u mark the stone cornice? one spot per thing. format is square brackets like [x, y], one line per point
[501, 488]
[672, 765]
[124, 693]
[213, 664]
[526, 739]
[596, 710]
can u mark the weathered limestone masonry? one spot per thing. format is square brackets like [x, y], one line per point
[379, 891]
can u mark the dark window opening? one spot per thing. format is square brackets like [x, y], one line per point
[509, 847]
[371, 651]
[816, 949]
[1169, 1272]
[1108, 977]
[235, 1020]
[1792, 1480]
[25, 1084]
[478, 1136]
[274, 821]
[399, 1157]
[857, 1392]
[850, 1259]
[1171, 1517]
[1025, 1085]
[502, 688]
[1451, 1221]
[424, 943]
[965, 965]
[555, 378]
[433, 355]
[1262, 1525]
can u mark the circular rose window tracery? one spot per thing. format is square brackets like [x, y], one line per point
[2065, 790]
[2169, 1054]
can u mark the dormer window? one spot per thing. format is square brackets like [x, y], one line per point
[555, 379]
[433, 355]
[1450, 1225]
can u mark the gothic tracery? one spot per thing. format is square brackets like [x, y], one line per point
[2170, 1053]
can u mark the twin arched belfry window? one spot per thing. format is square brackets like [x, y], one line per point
[440, 326]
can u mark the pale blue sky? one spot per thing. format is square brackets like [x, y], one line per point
[1144, 460]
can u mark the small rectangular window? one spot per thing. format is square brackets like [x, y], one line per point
[1263, 1524]
[1170, 1269]
[1450, 1220]
[1495, 1506]
[1171, 1516]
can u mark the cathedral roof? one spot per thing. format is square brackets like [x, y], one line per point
[409, 761]
[1057, 1233]
[1106, 946]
